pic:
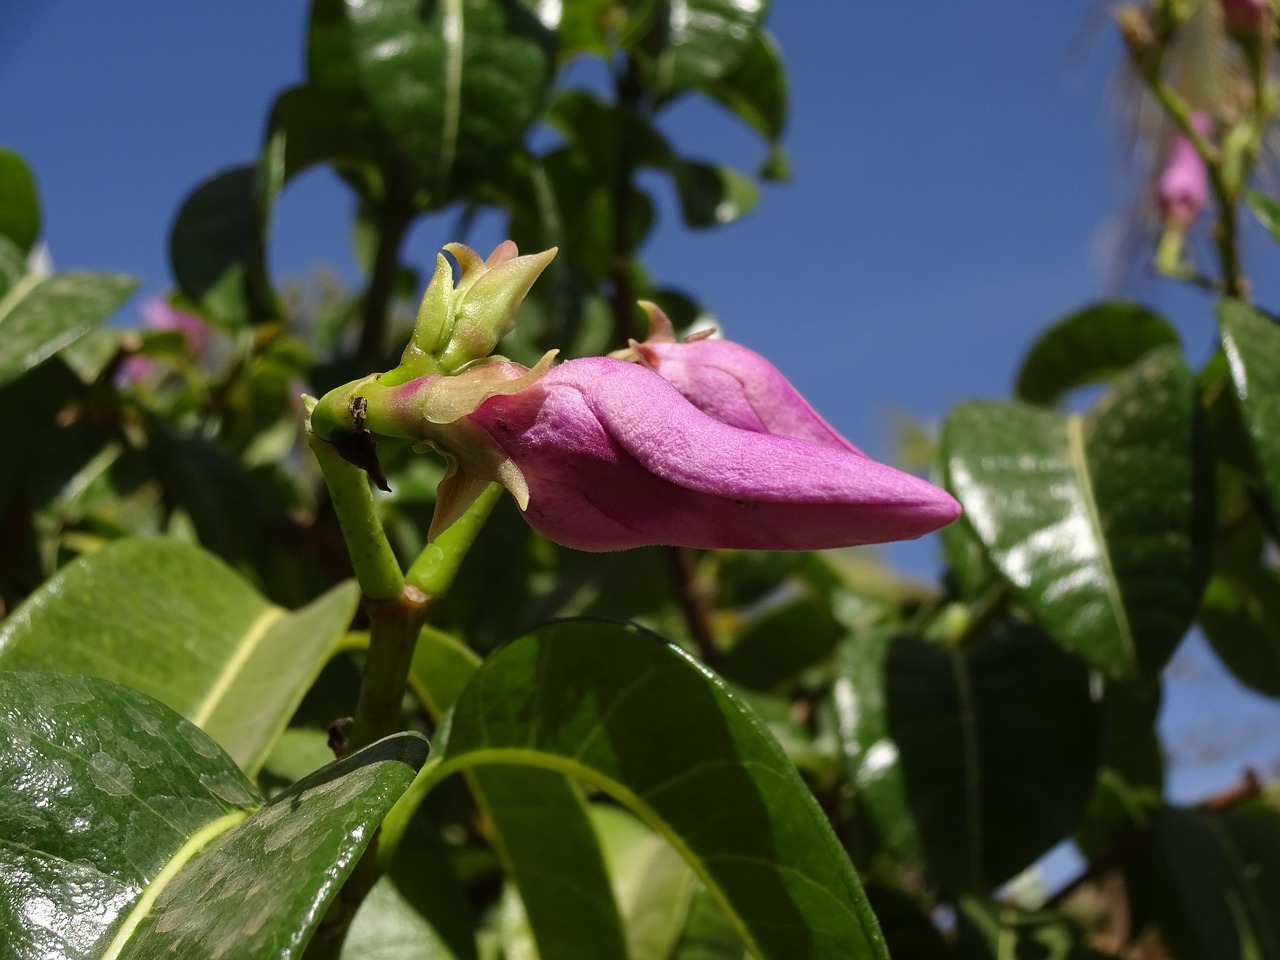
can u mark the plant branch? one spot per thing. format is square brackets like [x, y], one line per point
[694, 602]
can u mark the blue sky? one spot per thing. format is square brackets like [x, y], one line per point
[956, 166]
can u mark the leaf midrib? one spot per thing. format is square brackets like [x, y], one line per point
[1080, 466]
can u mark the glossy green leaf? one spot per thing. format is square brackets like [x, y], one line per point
[1266, 209]
[174, 622]
[618, 708]
[41, 315]
[979, 758]
[261, 891]
[19, 201]
[100, 789]
[217, 247]
[1252, 345]
[125, 833]
[454, 83]
[712, 195]
[310, 125]
[1219, 883]
[755, 89]
[1099, 523]
[1096, 343]
[701, 41]
[869, 753]
[540, 821]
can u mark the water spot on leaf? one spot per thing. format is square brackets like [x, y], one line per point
[110, 775]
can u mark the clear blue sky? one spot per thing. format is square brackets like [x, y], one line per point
[955, 167]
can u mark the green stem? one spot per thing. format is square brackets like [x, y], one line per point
[394, 625]
[375, 565]
[438, 564]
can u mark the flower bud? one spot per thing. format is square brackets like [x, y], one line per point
[1245, 18]
[1183, 187]
[458, 324]
[731, 383]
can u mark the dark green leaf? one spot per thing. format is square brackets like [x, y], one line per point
[540, 823]
[453, 84]
[100, 789]
[217, 247]
[712, 195]
[780, 643]
[41, 315]
[1267, 210]
[1219, 891]
[981, 757]
[1240, 613]
[1096, 343]
[13, 265]
[19, 201]
[1252, 346]
[756, 89]
[1099, 523]
[174, 622]
[639, 719]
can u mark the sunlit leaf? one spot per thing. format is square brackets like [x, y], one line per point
[174, 622]
[1098, 523]
[131, 835]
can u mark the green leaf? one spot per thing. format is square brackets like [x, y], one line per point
[217, 247]
[1240, 613]
[1100, 523]
[1097, 343]
[1219, 889]
[454, 84]
[177, 624]
[756, 89]
[387, 927]
[100, 789]
[19, 201]
[781, 642]
[540, 821]
[1267, 210]
[642, 721]
[41, 315]
[261, 892]
[713, 195]
[1252, 345]
[701, 41]
[980, 758]
[651, 882]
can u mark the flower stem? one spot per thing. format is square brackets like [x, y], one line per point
[438, 564]
[375, 565]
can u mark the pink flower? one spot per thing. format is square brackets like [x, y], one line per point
[159, 314]
[731, 383]
[1183, 188]
[602, 454]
